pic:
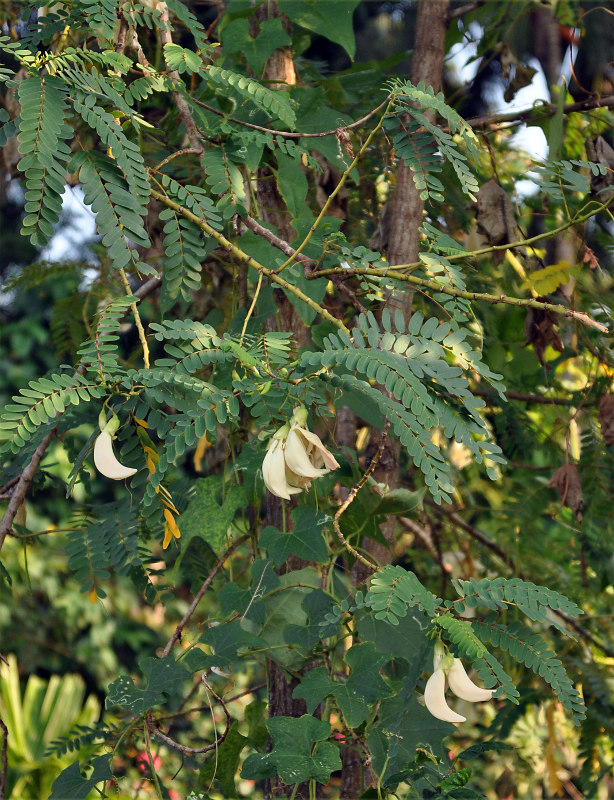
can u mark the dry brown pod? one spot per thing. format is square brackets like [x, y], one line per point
[566, 480]
[606, 418]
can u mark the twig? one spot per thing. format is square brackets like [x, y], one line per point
[293, 134]
[529, 398]
[474, 532]
[152, 768]
[546, 110]
[338, 187]
[22, 486]
[137, 319]
[251, 262]
[453, 291]
[5, 765]
[184, 748]
[25, 479]
[487, 542]
[351, 496]
[455, 13]
[198, 597]
[280, 244]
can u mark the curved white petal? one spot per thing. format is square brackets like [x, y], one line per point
[314, 444]
[274, 472]
[297, 459]
[462, 685]
[435, 699]
[105, 461]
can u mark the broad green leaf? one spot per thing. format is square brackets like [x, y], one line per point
[299, 752]
[332, 19]
[210, 512]
[236, 39]
[402, 726]
[71, 785]
[163, 676]
[224, 763]
[305, 540]
[363, 686]
[227, 640]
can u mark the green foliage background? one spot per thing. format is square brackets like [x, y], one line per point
[202, 315]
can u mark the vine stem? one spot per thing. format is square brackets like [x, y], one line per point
[250, 311]
[5, 766]
[251, 262]
[151, 726]
[350, 498]
[198, 597]
[137, 318]
[453, 291]
[152, 767]
[338, 187]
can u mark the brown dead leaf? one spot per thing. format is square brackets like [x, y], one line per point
[540, 332]
[606, 418]
[566, 480]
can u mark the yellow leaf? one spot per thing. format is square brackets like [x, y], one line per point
[547, 280]
[168, 537]
[93, 595]
[200, 452]
[141, 422]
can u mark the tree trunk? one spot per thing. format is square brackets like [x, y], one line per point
[279, 72]
[403, 244]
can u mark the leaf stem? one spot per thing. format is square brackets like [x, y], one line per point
[338, 188]
[453, 291]
[349, 499]
[251, 262]
[137, 318]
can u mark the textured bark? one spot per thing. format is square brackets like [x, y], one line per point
[403, 233]
[279, 73]
[403, 236]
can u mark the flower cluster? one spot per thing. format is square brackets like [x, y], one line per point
[295, 456]
[449, 669]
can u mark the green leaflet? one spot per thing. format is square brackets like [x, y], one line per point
[42, 136]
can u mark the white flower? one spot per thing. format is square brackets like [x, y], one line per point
[450, 669]
[104, 458]
[295, 456]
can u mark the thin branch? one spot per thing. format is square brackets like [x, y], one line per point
[293, 134]
[5, 766]
[453, 291]
[246, 259]
[280, 244]
[455, 13]
[184, 748]
[495, 400]
[198, 597]
[24, 480]
[22, 486]
[545, 110]
[351, 496]
[487, 542]
[472, 531]
[339, 186]
[137, 318]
